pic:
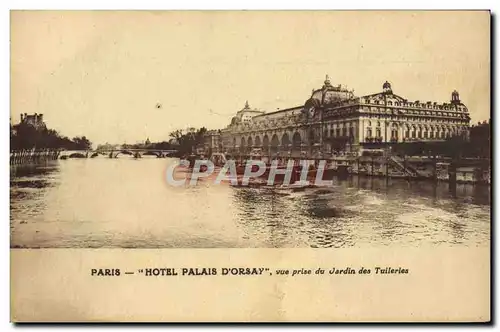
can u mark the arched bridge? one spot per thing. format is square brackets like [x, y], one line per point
[136, 153]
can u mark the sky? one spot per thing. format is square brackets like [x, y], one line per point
[102, 73]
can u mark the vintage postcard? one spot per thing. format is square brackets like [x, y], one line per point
[250, 166]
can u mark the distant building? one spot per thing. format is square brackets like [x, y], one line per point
[34, 120]
[107, 147]
[212, 141]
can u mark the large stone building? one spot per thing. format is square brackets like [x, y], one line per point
[34, 120]
[334, 119]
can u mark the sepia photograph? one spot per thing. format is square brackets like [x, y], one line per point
[307, 130]
[401, 130]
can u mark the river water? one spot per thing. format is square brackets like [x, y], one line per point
[127, 203]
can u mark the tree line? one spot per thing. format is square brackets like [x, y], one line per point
[184, 141]
[24, 136]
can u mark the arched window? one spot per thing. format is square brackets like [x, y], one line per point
[257, 141]
[368, 132]
[265, 142]
[242, 144]
[394, 134]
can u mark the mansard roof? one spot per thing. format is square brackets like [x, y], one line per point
[383, 96]
[280, 111]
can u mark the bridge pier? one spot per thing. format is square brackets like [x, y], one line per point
[138, 153]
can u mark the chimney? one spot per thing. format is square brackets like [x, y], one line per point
[22, 117]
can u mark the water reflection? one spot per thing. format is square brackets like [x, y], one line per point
[104, 202]
[371, 211]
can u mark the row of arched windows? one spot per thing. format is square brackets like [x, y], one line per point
[273, 142]
[369, 132]
[416, 132]
[439, 133]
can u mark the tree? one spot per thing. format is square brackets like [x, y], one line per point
[188, 140]
[81, 143]
[25, 136]
[339, 143]
[177, 134]
[161, 146]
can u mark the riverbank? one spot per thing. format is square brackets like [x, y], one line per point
[466, 170]
[32, 156]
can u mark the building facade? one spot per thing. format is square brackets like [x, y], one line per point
[333, 119]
